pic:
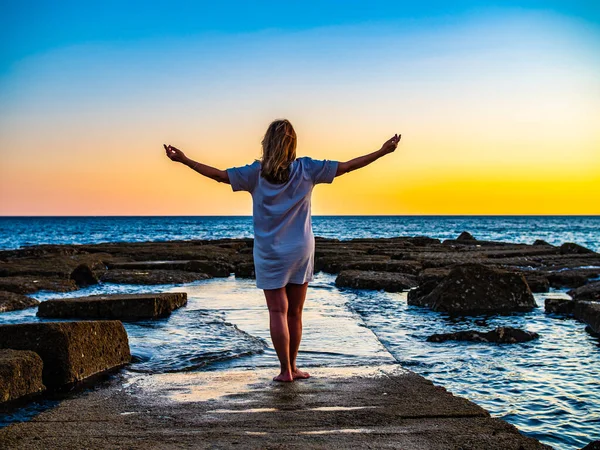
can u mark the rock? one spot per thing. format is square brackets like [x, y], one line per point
[375, 263]
[83, 276]
[125, 276]
[117, 306]
[367, 279]
[559, 305]
[589, 291]
[501, 335]
[589, 313]
[213, 268]
[436, 274]
[20, 374]
[594, 445]
[31, 284]
[570, 278]
[572, 248]
[474, 288]
[245, 270]
[465, 236]
[537, 282]
[10, 301]
[337, 263]
[419, 296]
[71, 351]
[149, 265]
[542, 242]
[52, 265]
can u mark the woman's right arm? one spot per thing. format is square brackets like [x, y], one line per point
[388, 147]
[177, 155]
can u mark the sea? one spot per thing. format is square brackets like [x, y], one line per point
[549, 388]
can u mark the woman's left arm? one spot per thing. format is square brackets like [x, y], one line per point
[211, 172]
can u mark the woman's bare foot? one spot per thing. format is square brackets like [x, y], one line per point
[298, 374]
[284, 376]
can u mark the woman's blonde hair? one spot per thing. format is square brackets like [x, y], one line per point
[278, 151]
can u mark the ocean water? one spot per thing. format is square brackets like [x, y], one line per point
[549, 388]
[17, 232]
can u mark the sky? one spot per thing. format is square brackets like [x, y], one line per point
[498, 103]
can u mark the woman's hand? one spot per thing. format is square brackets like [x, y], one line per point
[174, 153]
[390, 145]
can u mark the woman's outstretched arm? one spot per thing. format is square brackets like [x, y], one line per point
[177, 155]
[388, 147]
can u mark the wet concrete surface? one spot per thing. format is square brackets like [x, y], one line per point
[351, 407]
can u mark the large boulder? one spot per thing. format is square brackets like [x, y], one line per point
[589, 313]
[11, 301]
[20, 374]
[589, 291]
[71, 351]
[474, 289]
[125, 276]
[117, 306]
[367, 279]
[500, 335]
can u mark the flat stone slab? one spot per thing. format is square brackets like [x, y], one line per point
[376, 407]
[28, 284]
[71, 351]
[151, 276]
[117, 306]
[559, 305]
[367, 279]
[20, 374]
[213, 268]
[11, 301]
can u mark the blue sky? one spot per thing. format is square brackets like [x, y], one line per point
[31, 27]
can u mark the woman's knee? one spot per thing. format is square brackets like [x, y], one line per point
[277, 301]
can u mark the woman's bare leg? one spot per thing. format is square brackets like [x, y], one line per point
[296, 294]
[277, 302]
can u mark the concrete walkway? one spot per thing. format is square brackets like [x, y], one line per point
[363, 407]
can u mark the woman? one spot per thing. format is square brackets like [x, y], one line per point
[281, 186]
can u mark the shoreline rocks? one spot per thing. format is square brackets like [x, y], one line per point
[70, 351]
[476, 289]
[117, 306]
[500, 335]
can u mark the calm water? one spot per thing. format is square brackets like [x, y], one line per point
[548, 388]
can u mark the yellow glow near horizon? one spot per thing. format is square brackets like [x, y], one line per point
[497, 117]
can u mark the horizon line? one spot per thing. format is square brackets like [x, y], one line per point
[313, 215]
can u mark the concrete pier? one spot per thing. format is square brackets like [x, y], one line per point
[359, 407]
